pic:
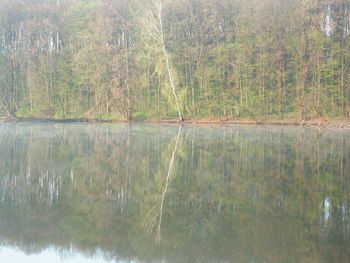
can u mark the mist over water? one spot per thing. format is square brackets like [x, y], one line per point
[167, 193]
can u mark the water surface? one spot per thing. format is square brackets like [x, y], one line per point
[162, 193]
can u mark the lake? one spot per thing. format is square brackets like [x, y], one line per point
[166, 193]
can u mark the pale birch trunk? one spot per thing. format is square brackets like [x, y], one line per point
[154, 26]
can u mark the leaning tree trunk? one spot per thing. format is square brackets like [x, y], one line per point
[167, 60]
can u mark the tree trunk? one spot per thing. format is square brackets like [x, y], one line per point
[167, 61]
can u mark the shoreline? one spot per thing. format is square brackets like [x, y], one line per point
[332, 123]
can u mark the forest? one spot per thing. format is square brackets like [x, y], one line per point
[175, 59]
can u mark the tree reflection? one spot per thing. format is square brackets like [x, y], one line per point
[231, 194]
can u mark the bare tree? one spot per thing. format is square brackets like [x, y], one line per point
[7, 97]
[154, 25]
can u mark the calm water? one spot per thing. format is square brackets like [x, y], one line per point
[150, 193]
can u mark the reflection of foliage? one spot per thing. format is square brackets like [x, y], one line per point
[236, 194]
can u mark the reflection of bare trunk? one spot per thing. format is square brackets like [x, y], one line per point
[170, 170]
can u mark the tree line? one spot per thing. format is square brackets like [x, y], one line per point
[134, 59]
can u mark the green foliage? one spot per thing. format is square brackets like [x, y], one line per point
[140, 116]
[228, 58]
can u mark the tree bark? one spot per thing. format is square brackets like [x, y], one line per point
[167, 60]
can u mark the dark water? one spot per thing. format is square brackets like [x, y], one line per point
[143, 193]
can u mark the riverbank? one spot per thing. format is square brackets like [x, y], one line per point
[282, 122]
[4, 119]
[321, 123]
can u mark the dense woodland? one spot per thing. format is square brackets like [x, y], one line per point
[155, 59]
